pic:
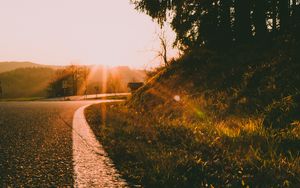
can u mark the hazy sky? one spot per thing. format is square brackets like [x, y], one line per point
[79, 31]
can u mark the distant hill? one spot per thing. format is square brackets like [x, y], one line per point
[26, 82]
[9, 66]
[33, 80]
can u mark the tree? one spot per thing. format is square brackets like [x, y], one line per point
[259, 16]
[284, 14]
[208, 33]
[242, 21]
[225, 22]
[295, 17]
[67, 81]
[72, 71]
[114, 83]
[274, 4]
[217, 23]
[165, 46]
[163, 53]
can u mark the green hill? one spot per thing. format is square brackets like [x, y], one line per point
[34, 81]
[9, 66]
[26, 82]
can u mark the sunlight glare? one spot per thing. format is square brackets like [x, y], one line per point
[94, 32]
[177, 98]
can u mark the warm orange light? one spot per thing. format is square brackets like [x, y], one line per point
[90, 32]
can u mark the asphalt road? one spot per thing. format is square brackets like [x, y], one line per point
[89, 97]
[36, 143]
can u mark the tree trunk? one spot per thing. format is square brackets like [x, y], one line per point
[260, 19]
[284, 14]
[274, 16]
[242, 21]
[225, 22]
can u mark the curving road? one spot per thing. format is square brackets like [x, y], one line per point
[36, 144]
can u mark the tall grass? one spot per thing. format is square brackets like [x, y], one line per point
[168, 152]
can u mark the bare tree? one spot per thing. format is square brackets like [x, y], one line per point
[163, 52]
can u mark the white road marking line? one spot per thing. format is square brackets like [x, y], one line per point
[92, 167]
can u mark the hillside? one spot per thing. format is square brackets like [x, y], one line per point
[211, 119]
[245, 81]
[9, 66]
[12, 65]
[34, 81]
[26, 82]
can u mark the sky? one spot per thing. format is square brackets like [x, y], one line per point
[62, 32]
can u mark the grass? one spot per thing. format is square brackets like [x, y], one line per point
[173, 152]
[210, 119]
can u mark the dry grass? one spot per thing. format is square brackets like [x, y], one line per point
[171, 152]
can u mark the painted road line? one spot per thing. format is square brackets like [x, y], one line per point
[92, 166]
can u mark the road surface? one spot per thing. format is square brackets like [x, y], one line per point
[89, 97]
[39, 146]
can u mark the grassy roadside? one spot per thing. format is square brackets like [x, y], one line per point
[170, 152]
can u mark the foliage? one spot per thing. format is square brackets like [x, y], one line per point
[221, 23]
[68, 81]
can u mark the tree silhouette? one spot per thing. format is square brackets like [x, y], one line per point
[259, 19]
[219, 23]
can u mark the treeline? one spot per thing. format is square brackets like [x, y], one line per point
[221, 23]
[80, 80]
[68, 81]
